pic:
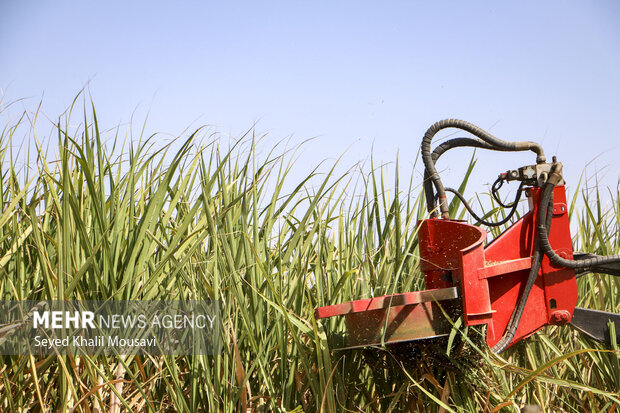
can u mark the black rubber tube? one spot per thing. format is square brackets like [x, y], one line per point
[497, 143]
[481, 220]
[437, 152]
[499, 182]
[515, 318]
[546, 202]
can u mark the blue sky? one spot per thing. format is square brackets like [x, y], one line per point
[367, 76]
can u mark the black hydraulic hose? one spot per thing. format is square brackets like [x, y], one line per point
[497, 143]
[546, 202]
[611, 269]
[515, 318]
[481, 220]
[440, 150]
[499, 182]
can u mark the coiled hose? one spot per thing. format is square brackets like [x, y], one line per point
[513, 207]
[472, 143]
[440, 150]
[546, 202]
[493, 144]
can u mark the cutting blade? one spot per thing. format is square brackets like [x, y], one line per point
[596, 324]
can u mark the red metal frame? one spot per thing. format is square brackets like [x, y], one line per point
[491, 279]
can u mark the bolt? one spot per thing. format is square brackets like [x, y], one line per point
[563, 254]
[560, 317]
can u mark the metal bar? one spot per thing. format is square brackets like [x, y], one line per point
[505, 267]
[378, 303]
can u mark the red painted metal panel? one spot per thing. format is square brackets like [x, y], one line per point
[440, 243]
